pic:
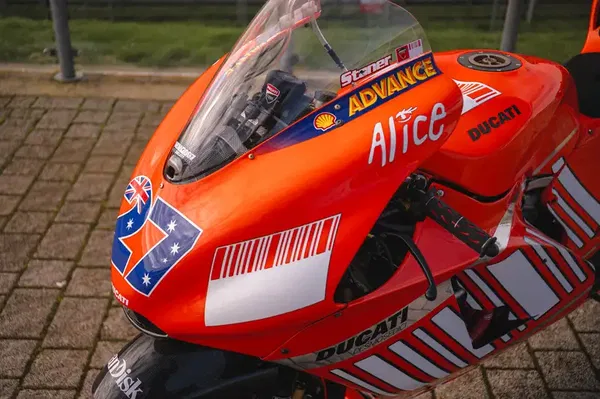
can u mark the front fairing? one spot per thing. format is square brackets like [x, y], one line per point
[220, 232]
[296, 56]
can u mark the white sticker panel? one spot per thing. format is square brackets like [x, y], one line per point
[475, 93]
[417, 360]
[520, 279]
[439, 348]
[455, 327]
[254, 279]
[388, 373]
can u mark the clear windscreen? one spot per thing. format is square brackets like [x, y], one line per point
[295, 56]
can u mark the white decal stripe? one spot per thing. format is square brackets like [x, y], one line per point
[521, 327]
[436, 346]
[297, 241]
[566, 255]
[230, 261]
[334, 234]
[579, 193]
[550, 264]
[224, 260]
[361, 383]
[265, 255]
[278, 250]
[505, 338]
[257, 254]
[318, 238]
[288, 244]
[520, 279]
[238, 260]
[309, 229]
[558, 164]
[568, 230]
[330, 234]
[417, 360]
[313, 239]
[388, 373]
[573, 215]
[301, 240]
[249, 256]
[455, 327]
[484, 287]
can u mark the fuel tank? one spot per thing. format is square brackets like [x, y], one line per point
[517, 111]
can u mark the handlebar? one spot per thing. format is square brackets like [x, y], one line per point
[459, 226]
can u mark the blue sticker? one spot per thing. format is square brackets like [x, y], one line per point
[179, 237]
[357, 102]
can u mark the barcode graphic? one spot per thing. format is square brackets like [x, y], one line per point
[275, 250]
[477, 91]
[415, 44]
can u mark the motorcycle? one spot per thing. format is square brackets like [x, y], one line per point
[331, 210]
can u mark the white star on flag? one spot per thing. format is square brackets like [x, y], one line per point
[164, 260]
[175, 248]
[171, 226]
[129, 224]
[146, 279]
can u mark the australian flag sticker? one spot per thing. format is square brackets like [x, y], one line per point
[144, 257]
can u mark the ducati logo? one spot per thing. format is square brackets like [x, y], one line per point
[494, 122]
[119, 371]
[368, 338]
[272, 93]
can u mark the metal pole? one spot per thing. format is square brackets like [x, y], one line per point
[511, 26]
[530, 9]
[63, 41]
[494, 14]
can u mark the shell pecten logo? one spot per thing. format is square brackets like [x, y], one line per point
[324, 121]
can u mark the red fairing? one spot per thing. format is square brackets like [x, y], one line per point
[310, 242]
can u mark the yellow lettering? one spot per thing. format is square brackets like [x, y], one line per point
[393, 85]
[355, 105]
[416, 69]
[368, 97]
[381, 89]
[429, 69]
[405, 77]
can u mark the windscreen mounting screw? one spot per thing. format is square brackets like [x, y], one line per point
[285, 351]
[590, 132]
[337, 107]
[440, 193]
[162, 185]
[251, 156]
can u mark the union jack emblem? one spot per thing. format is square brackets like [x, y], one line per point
[139, 191]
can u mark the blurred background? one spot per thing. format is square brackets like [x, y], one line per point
[189, 33]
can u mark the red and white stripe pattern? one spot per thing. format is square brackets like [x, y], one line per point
[279, 249]
[574, 208]
[531, 281]
[475, 94]
[251, 280]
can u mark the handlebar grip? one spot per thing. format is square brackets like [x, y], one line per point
[459, 226]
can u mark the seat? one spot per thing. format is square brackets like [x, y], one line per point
[585, 70]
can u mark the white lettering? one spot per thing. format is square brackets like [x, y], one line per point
[392, 124]
[120, 297]
[380, 139]
[354, 75]
[438, 113]
[118, 369]
[416, 139]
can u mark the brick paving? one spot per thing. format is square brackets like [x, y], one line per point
[64, 163]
